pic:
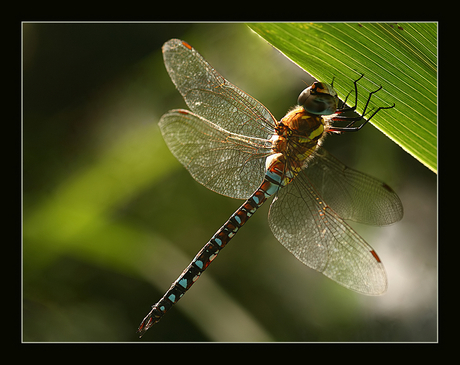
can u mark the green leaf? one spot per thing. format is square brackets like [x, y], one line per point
[400, 57]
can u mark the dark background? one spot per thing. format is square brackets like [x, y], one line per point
[110, 218]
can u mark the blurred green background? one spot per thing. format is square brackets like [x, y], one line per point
[111, 219]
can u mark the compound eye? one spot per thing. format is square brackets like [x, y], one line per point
[319, 98]
[304, 95]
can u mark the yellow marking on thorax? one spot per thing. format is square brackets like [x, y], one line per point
[299, 134]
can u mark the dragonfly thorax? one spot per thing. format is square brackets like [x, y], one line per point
[297, 136]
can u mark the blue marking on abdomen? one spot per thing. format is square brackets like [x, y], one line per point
[273, 176]
[183, 283]
[273, 189]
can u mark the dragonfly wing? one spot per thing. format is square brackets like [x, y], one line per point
[352, 194]
[210, 95]
[319, 238]
[224, 162]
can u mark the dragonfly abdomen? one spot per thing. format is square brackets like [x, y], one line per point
[272, 182]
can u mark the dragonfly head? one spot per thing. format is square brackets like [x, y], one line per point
[319, 98]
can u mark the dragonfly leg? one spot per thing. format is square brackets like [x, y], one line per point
[352, 120]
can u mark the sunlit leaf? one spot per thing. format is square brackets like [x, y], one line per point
[400, 57]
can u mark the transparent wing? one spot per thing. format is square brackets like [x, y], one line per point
[224, 162]
[352, 194]
[302, 221]
[210, 95]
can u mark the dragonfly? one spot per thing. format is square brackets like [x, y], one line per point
[233, 145]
